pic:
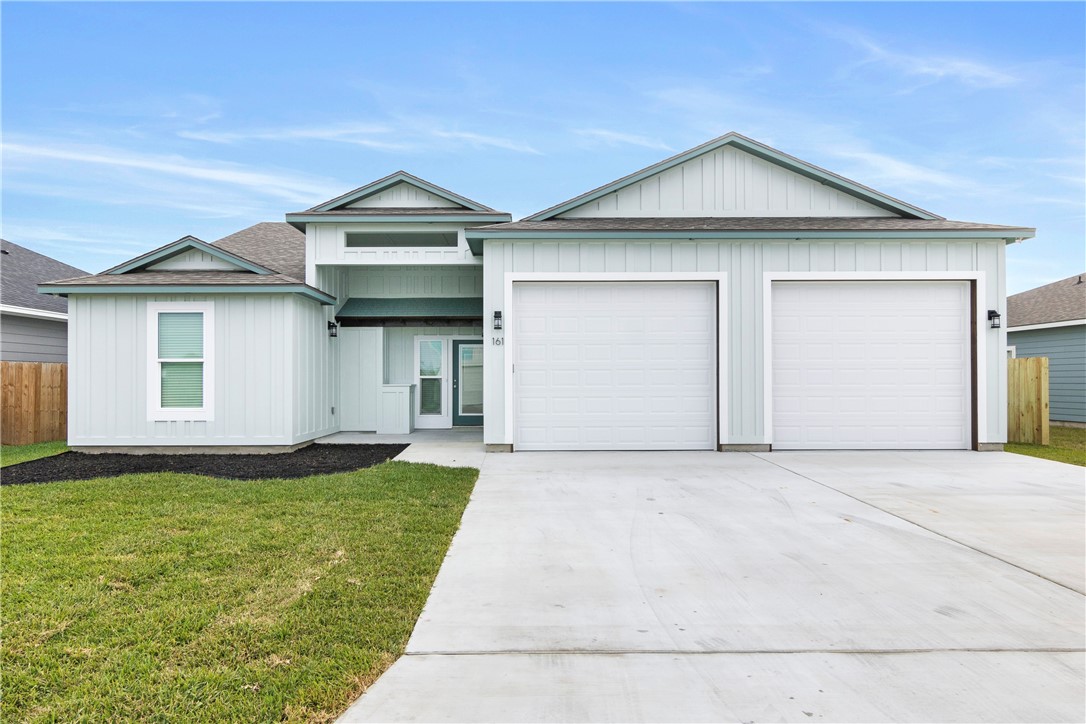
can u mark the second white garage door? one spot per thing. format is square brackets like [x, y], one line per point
[614, 365]
[871, 365]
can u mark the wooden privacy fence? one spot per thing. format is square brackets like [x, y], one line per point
[33, 402]
[1027, 400]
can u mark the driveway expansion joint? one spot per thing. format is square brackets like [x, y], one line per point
[918, 525]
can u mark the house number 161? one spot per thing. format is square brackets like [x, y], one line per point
[498, 341]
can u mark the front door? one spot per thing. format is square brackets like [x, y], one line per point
[467, 384]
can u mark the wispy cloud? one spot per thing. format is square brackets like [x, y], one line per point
[882, 168]
[402, 135]
[366, 135]
[930, 67]
[479, 140]
[615, 138]
[292, 188]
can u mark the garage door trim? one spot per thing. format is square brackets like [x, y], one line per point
[722, 319]
[979, 326]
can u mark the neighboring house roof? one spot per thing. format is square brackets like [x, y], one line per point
[21, 270]
[270, 256]
[759, 150]
[1061, 301]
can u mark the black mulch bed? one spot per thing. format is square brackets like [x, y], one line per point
[310, 460]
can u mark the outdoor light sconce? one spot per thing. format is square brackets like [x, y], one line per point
[497, 320]
[993, 318]
[333, 330]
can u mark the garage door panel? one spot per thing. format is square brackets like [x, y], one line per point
[630, 366]
[871, 365]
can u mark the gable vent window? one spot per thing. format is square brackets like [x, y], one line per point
[179, 373]
[356, 239]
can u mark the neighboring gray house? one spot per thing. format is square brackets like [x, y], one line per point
[731, 297]
[1050, 321]
[33, 326]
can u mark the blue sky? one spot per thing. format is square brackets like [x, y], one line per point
[128, 125]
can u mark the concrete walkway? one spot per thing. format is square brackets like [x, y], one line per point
[733, 587]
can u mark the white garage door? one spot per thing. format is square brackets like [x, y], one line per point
[614, 366]
[875, 365]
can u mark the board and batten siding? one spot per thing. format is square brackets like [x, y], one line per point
[404, 196]
[726, 182]
[1065, 348]
[26, 339]
[745, 263]
[193, 259]
[259, 347]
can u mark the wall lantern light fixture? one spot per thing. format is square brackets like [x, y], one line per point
[993, 318]
[497, 320]
[333, 330]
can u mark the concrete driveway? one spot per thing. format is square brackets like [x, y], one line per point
[936, 586]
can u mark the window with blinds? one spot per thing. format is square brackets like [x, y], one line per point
[181, 359]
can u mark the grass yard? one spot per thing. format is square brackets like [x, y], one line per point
[1065, 445]
[15, 454]
[186, 598]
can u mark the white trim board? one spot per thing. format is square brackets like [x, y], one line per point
[722, 327]
[981, 321]
[33, 313]
[1047, 325]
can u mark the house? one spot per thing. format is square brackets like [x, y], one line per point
[33, 326]
[1050, 321]
[731, 297]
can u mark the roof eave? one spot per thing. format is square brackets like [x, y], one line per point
[64, 290]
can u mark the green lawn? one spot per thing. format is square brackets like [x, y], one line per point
[173, 597]
[1065, 445]
[15, 454]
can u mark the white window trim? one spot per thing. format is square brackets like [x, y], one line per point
[721, 279]
[1012, 351]
[155, 411]
[978, 277]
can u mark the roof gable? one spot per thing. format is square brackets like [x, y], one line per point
[733, 176]
[400, 190]
[189, 254]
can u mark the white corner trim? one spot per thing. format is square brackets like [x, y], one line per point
[155, 411]
[34, 313]
[1046, 325]
[981, 321]
[721, 278]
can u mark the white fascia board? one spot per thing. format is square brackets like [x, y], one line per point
[1047, 325]
[34, 313]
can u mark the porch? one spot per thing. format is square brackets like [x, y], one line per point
[452, 447]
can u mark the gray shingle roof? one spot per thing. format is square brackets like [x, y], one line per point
[21, 270]
[1060, 301]
[747, 223]
[274, 244]
[178, 278]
